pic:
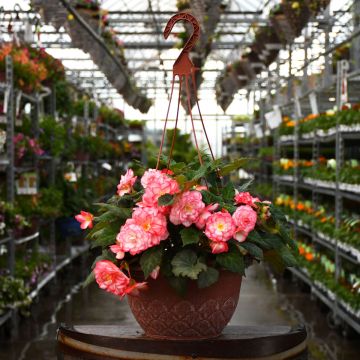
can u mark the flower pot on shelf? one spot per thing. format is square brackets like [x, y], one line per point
[200, 314]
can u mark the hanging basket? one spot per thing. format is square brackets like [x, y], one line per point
[283, 28]
[297, 17]
[180, 253]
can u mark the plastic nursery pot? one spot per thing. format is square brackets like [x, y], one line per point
[199, 314]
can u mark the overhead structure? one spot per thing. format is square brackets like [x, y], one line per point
[83, 24]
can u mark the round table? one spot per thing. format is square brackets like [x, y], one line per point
[237, 342]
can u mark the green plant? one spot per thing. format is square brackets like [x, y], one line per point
[50, 202]
[79, 107]
[11, 218]
[321, 269]
[52, 136]
[31, 266]
[13, 295]
[186, 251]
[113, 117]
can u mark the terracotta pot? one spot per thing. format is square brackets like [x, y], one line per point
[200, 314]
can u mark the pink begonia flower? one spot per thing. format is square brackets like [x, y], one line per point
[127, 182]
[160, 185]
[116, 249]
[155, 273]
[133, 238]
[243, 198]
[110, 278]
[134, 287]
[245, 220]
[205, 214]
[220, 227]
[187, 208]
[218, 247]
[149, 176]
[152, 222]
[85, 219]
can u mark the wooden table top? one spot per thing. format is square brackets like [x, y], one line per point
[236, 342]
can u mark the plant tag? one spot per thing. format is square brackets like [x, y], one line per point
[313, 103]
[6, 99]
[258, 131]
[18, 99]
[26, 184]
[273, 118]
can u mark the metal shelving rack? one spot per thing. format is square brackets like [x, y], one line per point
[340, 315]
[10, 242]
[10, 179]
[297, 104]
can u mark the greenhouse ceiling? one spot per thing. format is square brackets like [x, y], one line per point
[139, 26]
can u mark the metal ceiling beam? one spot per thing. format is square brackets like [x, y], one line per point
[130, 33]
[167, 13]
[223, 45]
[237, 21]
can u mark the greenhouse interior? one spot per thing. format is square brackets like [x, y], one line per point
[179, 179]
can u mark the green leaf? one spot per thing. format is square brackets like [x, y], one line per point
[252, 249]
[284, 233]
[150, 259]
[114, 213]
[190, 236]
[274, 259]
[228, 168]
[210, 198]
[105, 236]
[228, 192]
[90, 279]
[97, 227]
[186, 263]
[287, 257]
[281, 222]
[200, 172]
[208, 277]
[277, 214]
[165, 200]
[244, 187]
[105, 255]
[265, 240]
[233, 260]
[178, 167]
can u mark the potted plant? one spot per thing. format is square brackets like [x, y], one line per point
[13, 295]
[26, 148]
[11, 218]
[178, 242]
[52, 136]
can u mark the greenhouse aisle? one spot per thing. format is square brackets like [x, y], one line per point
[262, 301]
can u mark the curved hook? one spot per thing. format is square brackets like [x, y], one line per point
[194, 36]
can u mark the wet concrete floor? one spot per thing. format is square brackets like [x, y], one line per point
[263, 300]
